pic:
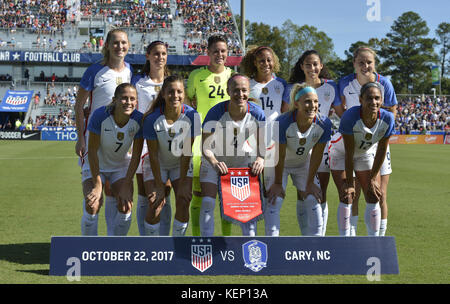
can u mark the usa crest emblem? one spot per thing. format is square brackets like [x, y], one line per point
[255, 255]
[201, 256]
[240, 187]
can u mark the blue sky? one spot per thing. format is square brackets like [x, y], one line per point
[344, 21]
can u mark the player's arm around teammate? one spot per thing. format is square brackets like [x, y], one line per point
[237, 113]
[301, 130]
[363, 127]
[170, 128]
[112, 129]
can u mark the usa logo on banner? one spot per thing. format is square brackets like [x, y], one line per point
[201, 256]
[240, 195]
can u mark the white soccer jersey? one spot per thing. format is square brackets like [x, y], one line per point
[230, 136]
[171, 137]
[365, 138]
[298, 144]
[269, 96]
[115, 141]
[102, 81]
[350, 88]
[147, 91]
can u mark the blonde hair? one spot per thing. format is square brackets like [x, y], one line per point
[105, 49]
[364, 48]
[248, 61]
[294, 90]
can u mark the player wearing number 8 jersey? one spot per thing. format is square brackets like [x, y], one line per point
[206, 87]
[303, 135]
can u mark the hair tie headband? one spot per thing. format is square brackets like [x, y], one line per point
[304, 91]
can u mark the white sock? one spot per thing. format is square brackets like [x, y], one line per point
[302, 217]
[165, 218]
[110, 214]
[372, 218]
[383, 227]
[141, 211]
[324, 217]
[122, 223]
[314, 215]
[249, 228]
[179, 228]
[89, 222]
[151, 230]
[207, 216]
[272, 217]
[353, 225]
[343, 218]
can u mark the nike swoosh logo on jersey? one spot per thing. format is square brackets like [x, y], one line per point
[351, 93]
[201, 80]
[107, 130]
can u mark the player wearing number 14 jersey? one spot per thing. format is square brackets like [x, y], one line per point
[206, 87]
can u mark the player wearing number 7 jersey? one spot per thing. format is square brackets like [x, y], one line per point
[206, 87]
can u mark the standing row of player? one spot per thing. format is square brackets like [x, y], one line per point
[301, 146]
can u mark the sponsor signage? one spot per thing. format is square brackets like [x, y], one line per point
[116, 256]
[16, 101]
[89, 58]
[416, 139]
[20, 135]
[60, 135]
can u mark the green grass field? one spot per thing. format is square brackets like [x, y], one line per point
[40, 197]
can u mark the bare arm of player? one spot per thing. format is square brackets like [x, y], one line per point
[314, 163]
[191, 102]
[340, 109]
[284, 107]
[258, 165]
[93, 197]
[125, 196]
[157, 196]
[220, 167]
[374, 191]
[82, 96]
[276, 189]
[392, 109]
[349, 185]
[343, 103]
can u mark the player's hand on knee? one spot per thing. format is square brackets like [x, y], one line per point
[314, 190]
[374, 192]
[276, 190]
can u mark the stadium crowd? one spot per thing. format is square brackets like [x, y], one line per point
[424, 115]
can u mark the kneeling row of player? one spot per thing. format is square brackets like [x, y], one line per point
[303, 135]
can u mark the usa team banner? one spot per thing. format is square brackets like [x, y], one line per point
[240, 196]
[123, 256]
[16, 101]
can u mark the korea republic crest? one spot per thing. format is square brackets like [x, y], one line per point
[201, 256]
[255, 255]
